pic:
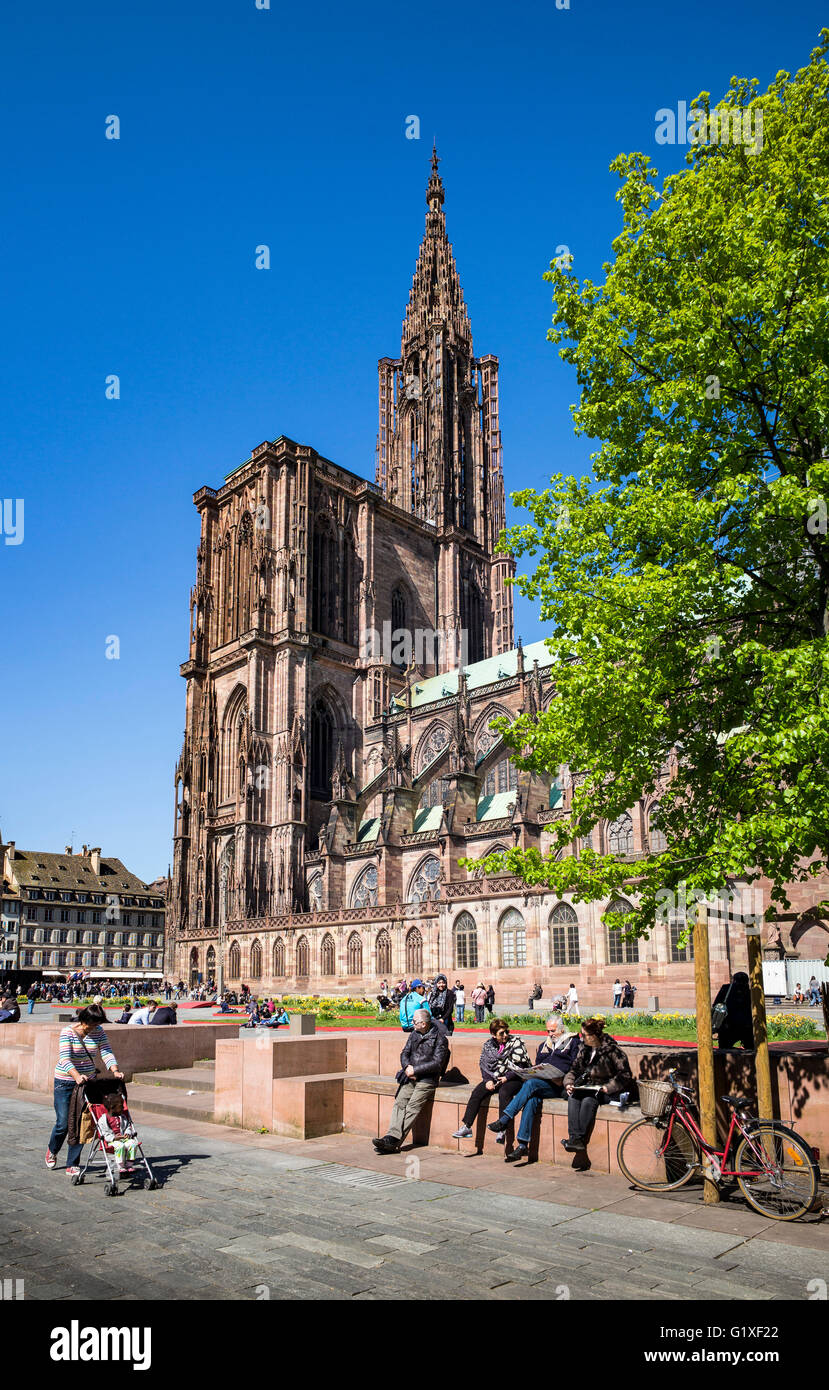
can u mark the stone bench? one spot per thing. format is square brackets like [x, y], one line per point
[367, 1106]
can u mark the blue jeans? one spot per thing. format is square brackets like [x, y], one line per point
[459, 1012]
[31, 1006]
[63, 1093]
[528, 1100]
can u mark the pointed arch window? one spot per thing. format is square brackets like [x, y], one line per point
[328, 955]
[364, 892]
[466, 942]
[279, 959]
[303, 957]
[354, 953]
[425, 885]
[414, 952]
[619, 950]
[324, 580]
[234, 961]
[399, 616]
[383, 952]
[211, 963]
[676, 926]
[513, 936]
[321, 749]
[656, 837]
[620, 835]
[256, 961]
[564, 935]
[472, 619]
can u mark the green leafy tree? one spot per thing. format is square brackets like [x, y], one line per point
[687, 581]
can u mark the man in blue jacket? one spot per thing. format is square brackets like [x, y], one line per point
[415, 999]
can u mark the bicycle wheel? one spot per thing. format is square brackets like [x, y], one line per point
[787, 1186]
[648, 1162]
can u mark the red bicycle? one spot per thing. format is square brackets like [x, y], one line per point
[774, 1168]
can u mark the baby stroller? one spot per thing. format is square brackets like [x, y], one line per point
[94, 1092]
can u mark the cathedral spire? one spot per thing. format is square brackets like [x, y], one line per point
[434, 188]
[436, 298]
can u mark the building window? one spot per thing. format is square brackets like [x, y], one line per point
[676, 926]
[383, 950]
[466, 942]
[619, 950]
[321, 750]
[364, 892]
[64, 914]
[656, 837]
[620, 835]
[426, 882]
[398, 615]
[302, 958]
[513, 934]
[564, 935]
[256, 961]
[414, 953]
[48, 914]
[234, 961]
[81, 915]
[328, 955]
[355, 954]
[279, 959]
[315, 893]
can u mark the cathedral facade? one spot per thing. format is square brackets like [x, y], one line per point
[351, 643]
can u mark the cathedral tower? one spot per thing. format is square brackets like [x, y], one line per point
[439, 446]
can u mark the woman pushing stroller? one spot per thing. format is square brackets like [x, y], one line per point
[76, 1065]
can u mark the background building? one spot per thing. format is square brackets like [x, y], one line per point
[330, 779]
[82, 912]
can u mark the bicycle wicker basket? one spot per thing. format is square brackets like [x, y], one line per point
[655, 1097]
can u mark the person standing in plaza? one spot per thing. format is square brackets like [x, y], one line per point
[490, 1000]
[814, 991]
[442, 1005]
[76, 1064]
[31, 994]
[617, 994]
[415, 999]
[479, 1001]
[422, 1062]
[573, 1001]
[460, 1001]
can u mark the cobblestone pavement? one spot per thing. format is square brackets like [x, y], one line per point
[244, 1216]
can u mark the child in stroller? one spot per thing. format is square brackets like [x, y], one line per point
[115, 1134]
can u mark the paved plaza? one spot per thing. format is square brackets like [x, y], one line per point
[245, 1216]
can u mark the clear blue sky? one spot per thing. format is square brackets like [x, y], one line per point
[241, 127]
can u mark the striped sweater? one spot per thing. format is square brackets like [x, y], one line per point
[79, 1054]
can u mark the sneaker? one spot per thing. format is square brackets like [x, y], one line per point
[73, 1171]
[500, 1139]
[498, 1126]
[50, 1159]
[463, 1133]
[573, 1146]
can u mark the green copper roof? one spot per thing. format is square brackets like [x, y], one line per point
[369, 830]
[480, 673]
[494, 807]
[428, 818]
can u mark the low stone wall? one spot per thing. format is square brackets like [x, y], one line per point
[267, 1083]
[29, 1051]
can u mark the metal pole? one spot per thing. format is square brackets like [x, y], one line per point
[705, 1047]
[765, 1107]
